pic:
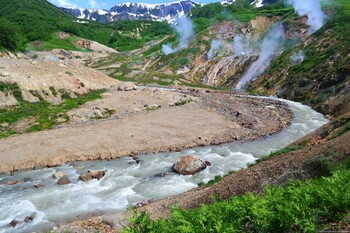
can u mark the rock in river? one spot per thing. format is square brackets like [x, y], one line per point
[63, 180]
[188, 165]
[92, 175]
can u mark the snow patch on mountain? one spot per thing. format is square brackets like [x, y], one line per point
[135, 11]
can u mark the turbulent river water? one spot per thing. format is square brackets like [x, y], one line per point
[127, 183]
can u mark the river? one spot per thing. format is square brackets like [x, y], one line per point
[127, 183]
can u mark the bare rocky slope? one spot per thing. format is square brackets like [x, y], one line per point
[48, 75]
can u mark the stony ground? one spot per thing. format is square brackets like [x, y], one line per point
[43, 75]
[146, 120]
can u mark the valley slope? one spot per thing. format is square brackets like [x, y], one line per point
[84, 96]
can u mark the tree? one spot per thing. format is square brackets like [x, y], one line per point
[10, 37]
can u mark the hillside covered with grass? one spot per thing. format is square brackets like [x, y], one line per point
[322, 78]
[36, 20]
[297, 207]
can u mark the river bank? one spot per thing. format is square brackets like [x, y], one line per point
[146, 120]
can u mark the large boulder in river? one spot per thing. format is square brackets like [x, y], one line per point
[188, 165]
[63, 180]
[92, 175]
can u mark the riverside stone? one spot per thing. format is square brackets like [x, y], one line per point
[127, 86]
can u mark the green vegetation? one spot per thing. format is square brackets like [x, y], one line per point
[37, 20]
[130, 35]
[341, 126]
[182, 102]
[10, 37]
[215, 180]
[324, 69]
[55, 42]
[152, 107]
[240, 10]
[297, 207]
[285, 150]
[46, 115]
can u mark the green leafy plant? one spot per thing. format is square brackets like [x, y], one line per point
[297, 207]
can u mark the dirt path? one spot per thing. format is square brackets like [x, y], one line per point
[146, 131]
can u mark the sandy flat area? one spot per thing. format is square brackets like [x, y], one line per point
[203, 121]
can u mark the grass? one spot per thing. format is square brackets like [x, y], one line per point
[152, 107]
[341, 131]
[183, 102]
[45, 113]
[55, 42]
[285, 150]
[215, 180]
[297, 207]
[325, 65]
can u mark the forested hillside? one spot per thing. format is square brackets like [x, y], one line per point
[36, 20]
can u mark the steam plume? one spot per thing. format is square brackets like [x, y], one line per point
[184, 28]
[241, 46]
[237, 45]
[311, 8]
[297, 57]
[214, 46]
[272, 41]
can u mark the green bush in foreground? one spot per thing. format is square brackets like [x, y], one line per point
[298, 207]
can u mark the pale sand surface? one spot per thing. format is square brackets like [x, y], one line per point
[134, 130]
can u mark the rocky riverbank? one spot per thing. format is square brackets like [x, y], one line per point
[146, 120]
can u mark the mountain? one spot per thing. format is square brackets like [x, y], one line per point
[34, 19]
[256, 3]
[135, 11]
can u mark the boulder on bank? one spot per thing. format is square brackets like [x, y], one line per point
[127, 86]
[188, 165]
[92, 175]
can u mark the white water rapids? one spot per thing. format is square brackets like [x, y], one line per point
[129, 183]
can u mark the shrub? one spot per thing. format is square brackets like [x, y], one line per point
[298, 207]
[10, 37]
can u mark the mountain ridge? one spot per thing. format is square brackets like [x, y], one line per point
[134, 11]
